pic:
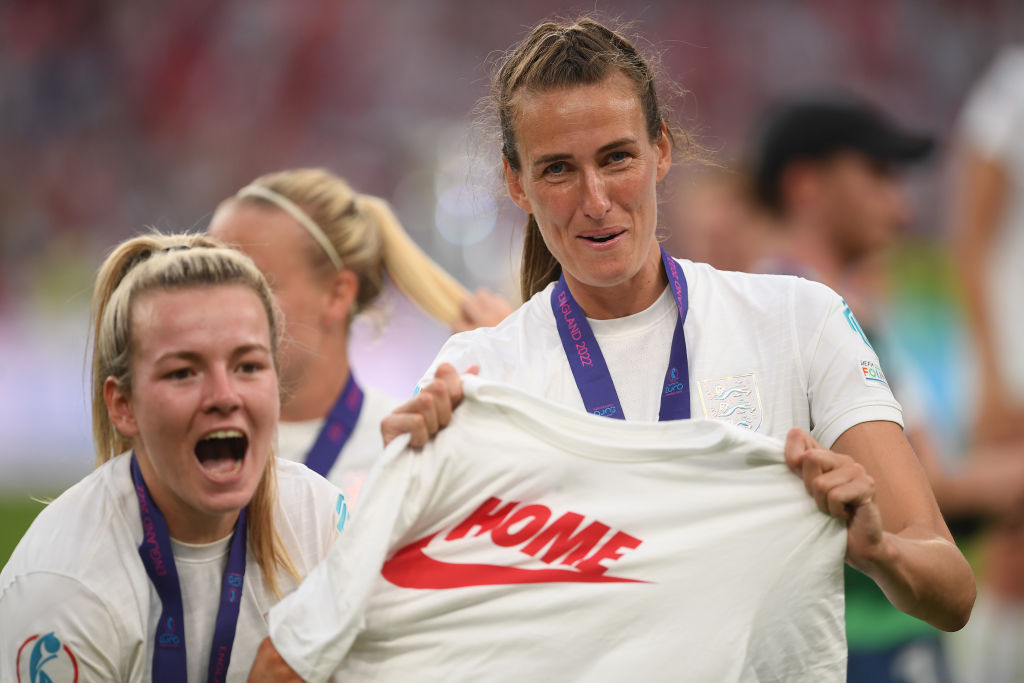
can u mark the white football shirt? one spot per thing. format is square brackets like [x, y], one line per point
[75, 596]
[766, 352]
[529, 541]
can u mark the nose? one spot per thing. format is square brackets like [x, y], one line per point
[595, 201]
[220, 394]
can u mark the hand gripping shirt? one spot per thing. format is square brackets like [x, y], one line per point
[529, 541]
[765, 352]
[76, 603]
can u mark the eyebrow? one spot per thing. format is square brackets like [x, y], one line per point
[560, 156]
[194, 357]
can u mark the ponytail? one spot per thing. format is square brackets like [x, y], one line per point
[539, 267]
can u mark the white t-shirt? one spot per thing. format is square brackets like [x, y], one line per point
[532, 542]
[993, 122]
[76, 588]
[768, 352]
[364, 445]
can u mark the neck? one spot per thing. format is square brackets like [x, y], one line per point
[185, 523]
[313, 395]
[626, 298]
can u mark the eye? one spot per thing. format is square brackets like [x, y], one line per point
[618, 156]
[251, 366]
[179, 373]
[557, 168]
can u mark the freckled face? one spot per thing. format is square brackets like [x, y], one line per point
[588, 174]
[204, 403]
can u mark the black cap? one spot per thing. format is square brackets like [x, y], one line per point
[818, 128]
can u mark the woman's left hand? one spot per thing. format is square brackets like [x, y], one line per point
[842, 488]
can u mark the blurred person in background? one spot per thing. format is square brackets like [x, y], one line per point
[613, 325]
[713, 220]
[989, 240]
[161, 564]
[325, 249]
[827, 171]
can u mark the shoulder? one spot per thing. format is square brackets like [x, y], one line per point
[298, 485]
[501, 350]
[83, 531]
[753, 291]
[76, 572]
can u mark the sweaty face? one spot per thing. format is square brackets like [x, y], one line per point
[866, 204]
[279, 247]
[204, 405]
[588, 174]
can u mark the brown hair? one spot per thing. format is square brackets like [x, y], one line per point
[367, 239]
[161, 262]
[562, 55]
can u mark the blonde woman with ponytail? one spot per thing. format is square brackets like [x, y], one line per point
[326, 249]
[161, 564]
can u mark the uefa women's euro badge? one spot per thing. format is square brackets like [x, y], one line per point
[44, 659]
[732, 399]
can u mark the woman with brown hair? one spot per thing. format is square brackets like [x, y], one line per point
[612, 325]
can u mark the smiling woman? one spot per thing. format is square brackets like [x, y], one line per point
[161, 564]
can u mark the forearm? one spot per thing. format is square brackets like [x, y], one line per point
[924, 575]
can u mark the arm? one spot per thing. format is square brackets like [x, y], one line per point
[481, 309]
[983, 197]
[896, 535]
[991, 484]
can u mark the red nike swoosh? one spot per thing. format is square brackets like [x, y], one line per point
[410, 567]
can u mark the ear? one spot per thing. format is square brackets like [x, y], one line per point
[119, 408]
[515, 187]
[342, 292]
[664, 149]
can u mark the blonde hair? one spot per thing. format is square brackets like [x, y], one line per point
[363, 233]
[157, 262]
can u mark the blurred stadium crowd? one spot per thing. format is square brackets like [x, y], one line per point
[115, 116]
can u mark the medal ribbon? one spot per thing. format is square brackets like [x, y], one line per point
[338, 427]
[169, 660]
[588, 365]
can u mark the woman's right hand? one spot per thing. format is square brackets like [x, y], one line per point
[429, 411]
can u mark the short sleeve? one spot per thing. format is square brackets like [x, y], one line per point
[53, 624]
[845, 382]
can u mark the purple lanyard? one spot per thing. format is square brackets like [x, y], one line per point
[169, 661]
[589, 368]
[338, 427]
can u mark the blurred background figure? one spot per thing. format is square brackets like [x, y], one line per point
[989, 240]
[326, 251]
[713, 220]
[830, 171]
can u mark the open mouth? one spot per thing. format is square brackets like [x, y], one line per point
[599, 239]
[222, 453]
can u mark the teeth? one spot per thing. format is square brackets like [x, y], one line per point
[224, 434]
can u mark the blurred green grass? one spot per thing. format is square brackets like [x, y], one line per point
[16, 514]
